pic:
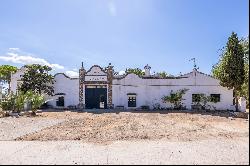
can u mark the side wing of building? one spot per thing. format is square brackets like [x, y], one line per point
[149, 91]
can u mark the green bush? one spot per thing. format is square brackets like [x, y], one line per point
[8, 103]
[175, 98]
[16, 102]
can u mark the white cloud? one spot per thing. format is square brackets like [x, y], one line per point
[26, 59]
[71, 73]
[121, 72]
[14, 49]
[112, 8]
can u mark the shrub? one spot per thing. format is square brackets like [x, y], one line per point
[175, 98]
[8, 103]
[16, 102]
[202, 100]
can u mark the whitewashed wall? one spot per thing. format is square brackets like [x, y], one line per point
[150, 91]
[68, 86]
[15, 78]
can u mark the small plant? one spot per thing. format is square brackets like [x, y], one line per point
[175, 98]
[201, 101]
[8, 103]
[156, 106]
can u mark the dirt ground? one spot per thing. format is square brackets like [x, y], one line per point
[106, 128]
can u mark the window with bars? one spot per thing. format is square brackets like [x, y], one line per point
[215, 98]
[196, 97]
[131, 101]
[60, 102]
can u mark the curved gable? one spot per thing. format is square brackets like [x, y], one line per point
[96, 70]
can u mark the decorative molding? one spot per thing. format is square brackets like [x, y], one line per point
[81, 89]
[93, 67]
[60, 94]
[110, 75]
[95, 82]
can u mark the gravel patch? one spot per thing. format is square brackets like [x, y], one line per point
[12, 128]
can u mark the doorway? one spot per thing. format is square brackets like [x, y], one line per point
[96, 96]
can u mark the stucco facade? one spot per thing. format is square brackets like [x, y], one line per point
[111, 90]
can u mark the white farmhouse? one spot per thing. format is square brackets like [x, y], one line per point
[99, 88]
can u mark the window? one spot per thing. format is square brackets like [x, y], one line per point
[215, 98]
[131, 101]
[196, 97]
[60, 102]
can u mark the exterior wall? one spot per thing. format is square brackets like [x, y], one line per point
[67, 86]
[150, 91]
[15, 79]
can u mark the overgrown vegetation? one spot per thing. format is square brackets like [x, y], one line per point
[175, 98]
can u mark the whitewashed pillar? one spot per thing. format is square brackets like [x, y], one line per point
[242, 104]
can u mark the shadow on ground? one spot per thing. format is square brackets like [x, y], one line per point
[226, 114]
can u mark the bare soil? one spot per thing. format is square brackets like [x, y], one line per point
[126, 126]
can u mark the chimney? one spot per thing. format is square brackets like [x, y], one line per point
[147, 70]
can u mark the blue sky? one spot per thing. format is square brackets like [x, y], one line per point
[128, 33]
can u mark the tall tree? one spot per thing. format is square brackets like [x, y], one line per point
[37, 79]
[230, 68]
[136, 71]
[245, 87]
[5, 74]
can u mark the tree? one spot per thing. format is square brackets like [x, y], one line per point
[245, 87]
[37, 79]
[5, 74]
[230, 68]
[162, 74]
[175, 98]
[136, 71]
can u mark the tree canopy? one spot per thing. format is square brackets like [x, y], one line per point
[5, 73]
[162, 74]
[245, 87]
[37, 79]
[136, 71]
[230, 69]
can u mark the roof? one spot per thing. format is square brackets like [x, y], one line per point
[199, 73]
[118, 77]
